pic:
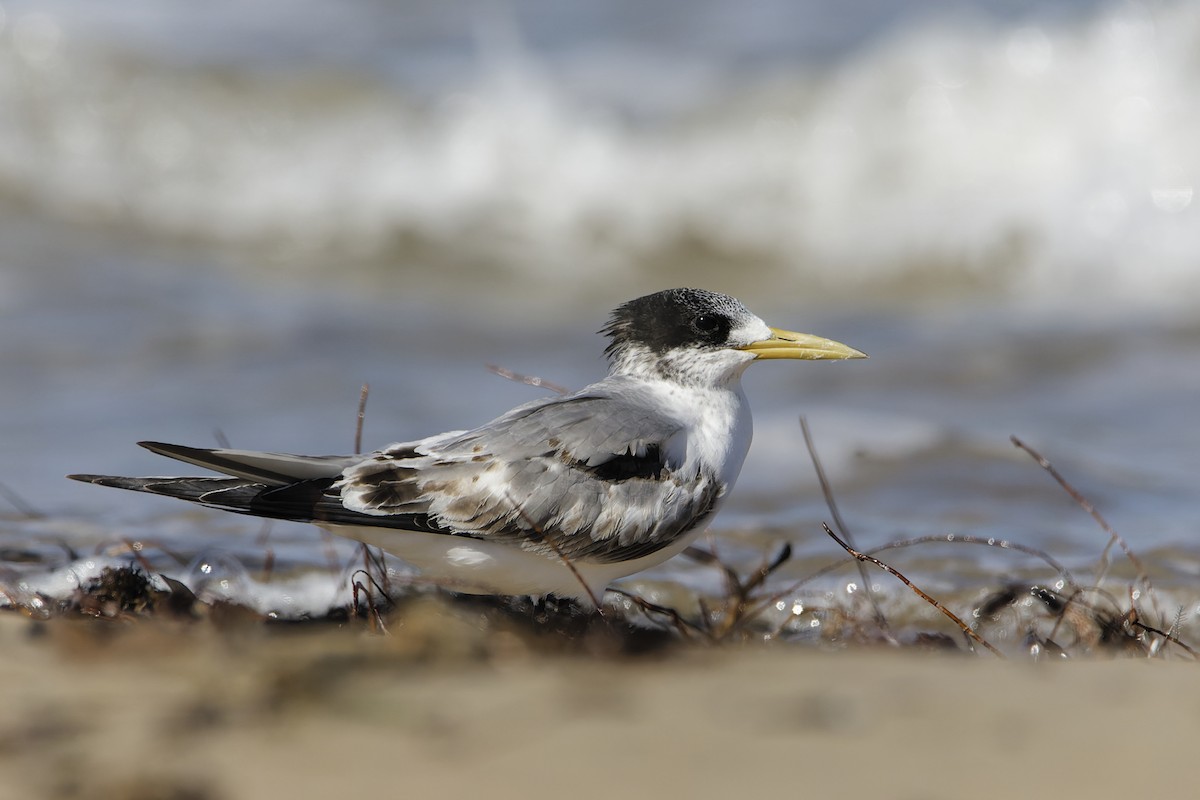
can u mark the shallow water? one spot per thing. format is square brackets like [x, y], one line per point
[232, 246]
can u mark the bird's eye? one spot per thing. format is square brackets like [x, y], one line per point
[708, 323]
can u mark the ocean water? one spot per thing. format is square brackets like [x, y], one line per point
[219, 222]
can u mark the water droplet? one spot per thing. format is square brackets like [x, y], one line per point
[217, 576]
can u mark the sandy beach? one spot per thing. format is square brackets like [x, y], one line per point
[440, 708]
[230, 224]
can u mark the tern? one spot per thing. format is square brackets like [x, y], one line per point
[562, 495]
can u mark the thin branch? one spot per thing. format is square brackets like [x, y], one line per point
[739, 602]
[370, 560]
[758, 578]
[23, 508]
[375, 557]
[685, 628]
[1083, 502]
[897, 574]
[362, 416]
[541, 537]
[990, 541]
[528, 380]
[1167, 635]
[1087, 506]
[356, 587]
[831, 503]
[1003, 544]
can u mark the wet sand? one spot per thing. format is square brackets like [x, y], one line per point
[442, 708]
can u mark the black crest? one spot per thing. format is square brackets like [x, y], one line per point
[674, 318]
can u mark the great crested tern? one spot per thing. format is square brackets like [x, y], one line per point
[562, 495]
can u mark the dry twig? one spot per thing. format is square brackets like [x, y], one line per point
[362, 416]
[541, 537]
[975, 637]
[1004, 544]
[831, 503]
[528, 380]
[739, 603]
[1113, 536]
[16, 501]
[357, 587]
[686, 629]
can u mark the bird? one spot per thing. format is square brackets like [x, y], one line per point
[559, 496]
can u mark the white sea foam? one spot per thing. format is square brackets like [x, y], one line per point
[1054, 161]
[310, 593]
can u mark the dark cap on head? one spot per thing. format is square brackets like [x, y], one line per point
[674, 318]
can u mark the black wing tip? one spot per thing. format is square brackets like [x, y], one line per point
[161, 448]
[201, 456]
[115, 481]
[165, 448]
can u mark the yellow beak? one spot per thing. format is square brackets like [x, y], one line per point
[789, 344]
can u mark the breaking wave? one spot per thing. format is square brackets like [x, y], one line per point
[1047, 160]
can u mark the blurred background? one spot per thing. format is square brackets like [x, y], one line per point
[220, 219]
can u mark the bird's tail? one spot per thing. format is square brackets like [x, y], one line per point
[275, 485]
[303, 501]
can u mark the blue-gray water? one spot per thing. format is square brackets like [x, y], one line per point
[228, 221]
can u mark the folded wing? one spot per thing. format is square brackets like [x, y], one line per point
[596, 477]
[593, 477]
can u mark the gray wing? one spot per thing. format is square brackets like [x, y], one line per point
[594, 477]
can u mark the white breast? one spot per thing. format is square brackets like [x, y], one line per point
[718, 424]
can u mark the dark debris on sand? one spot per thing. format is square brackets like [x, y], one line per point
[1031, 621]
[1056, 619]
